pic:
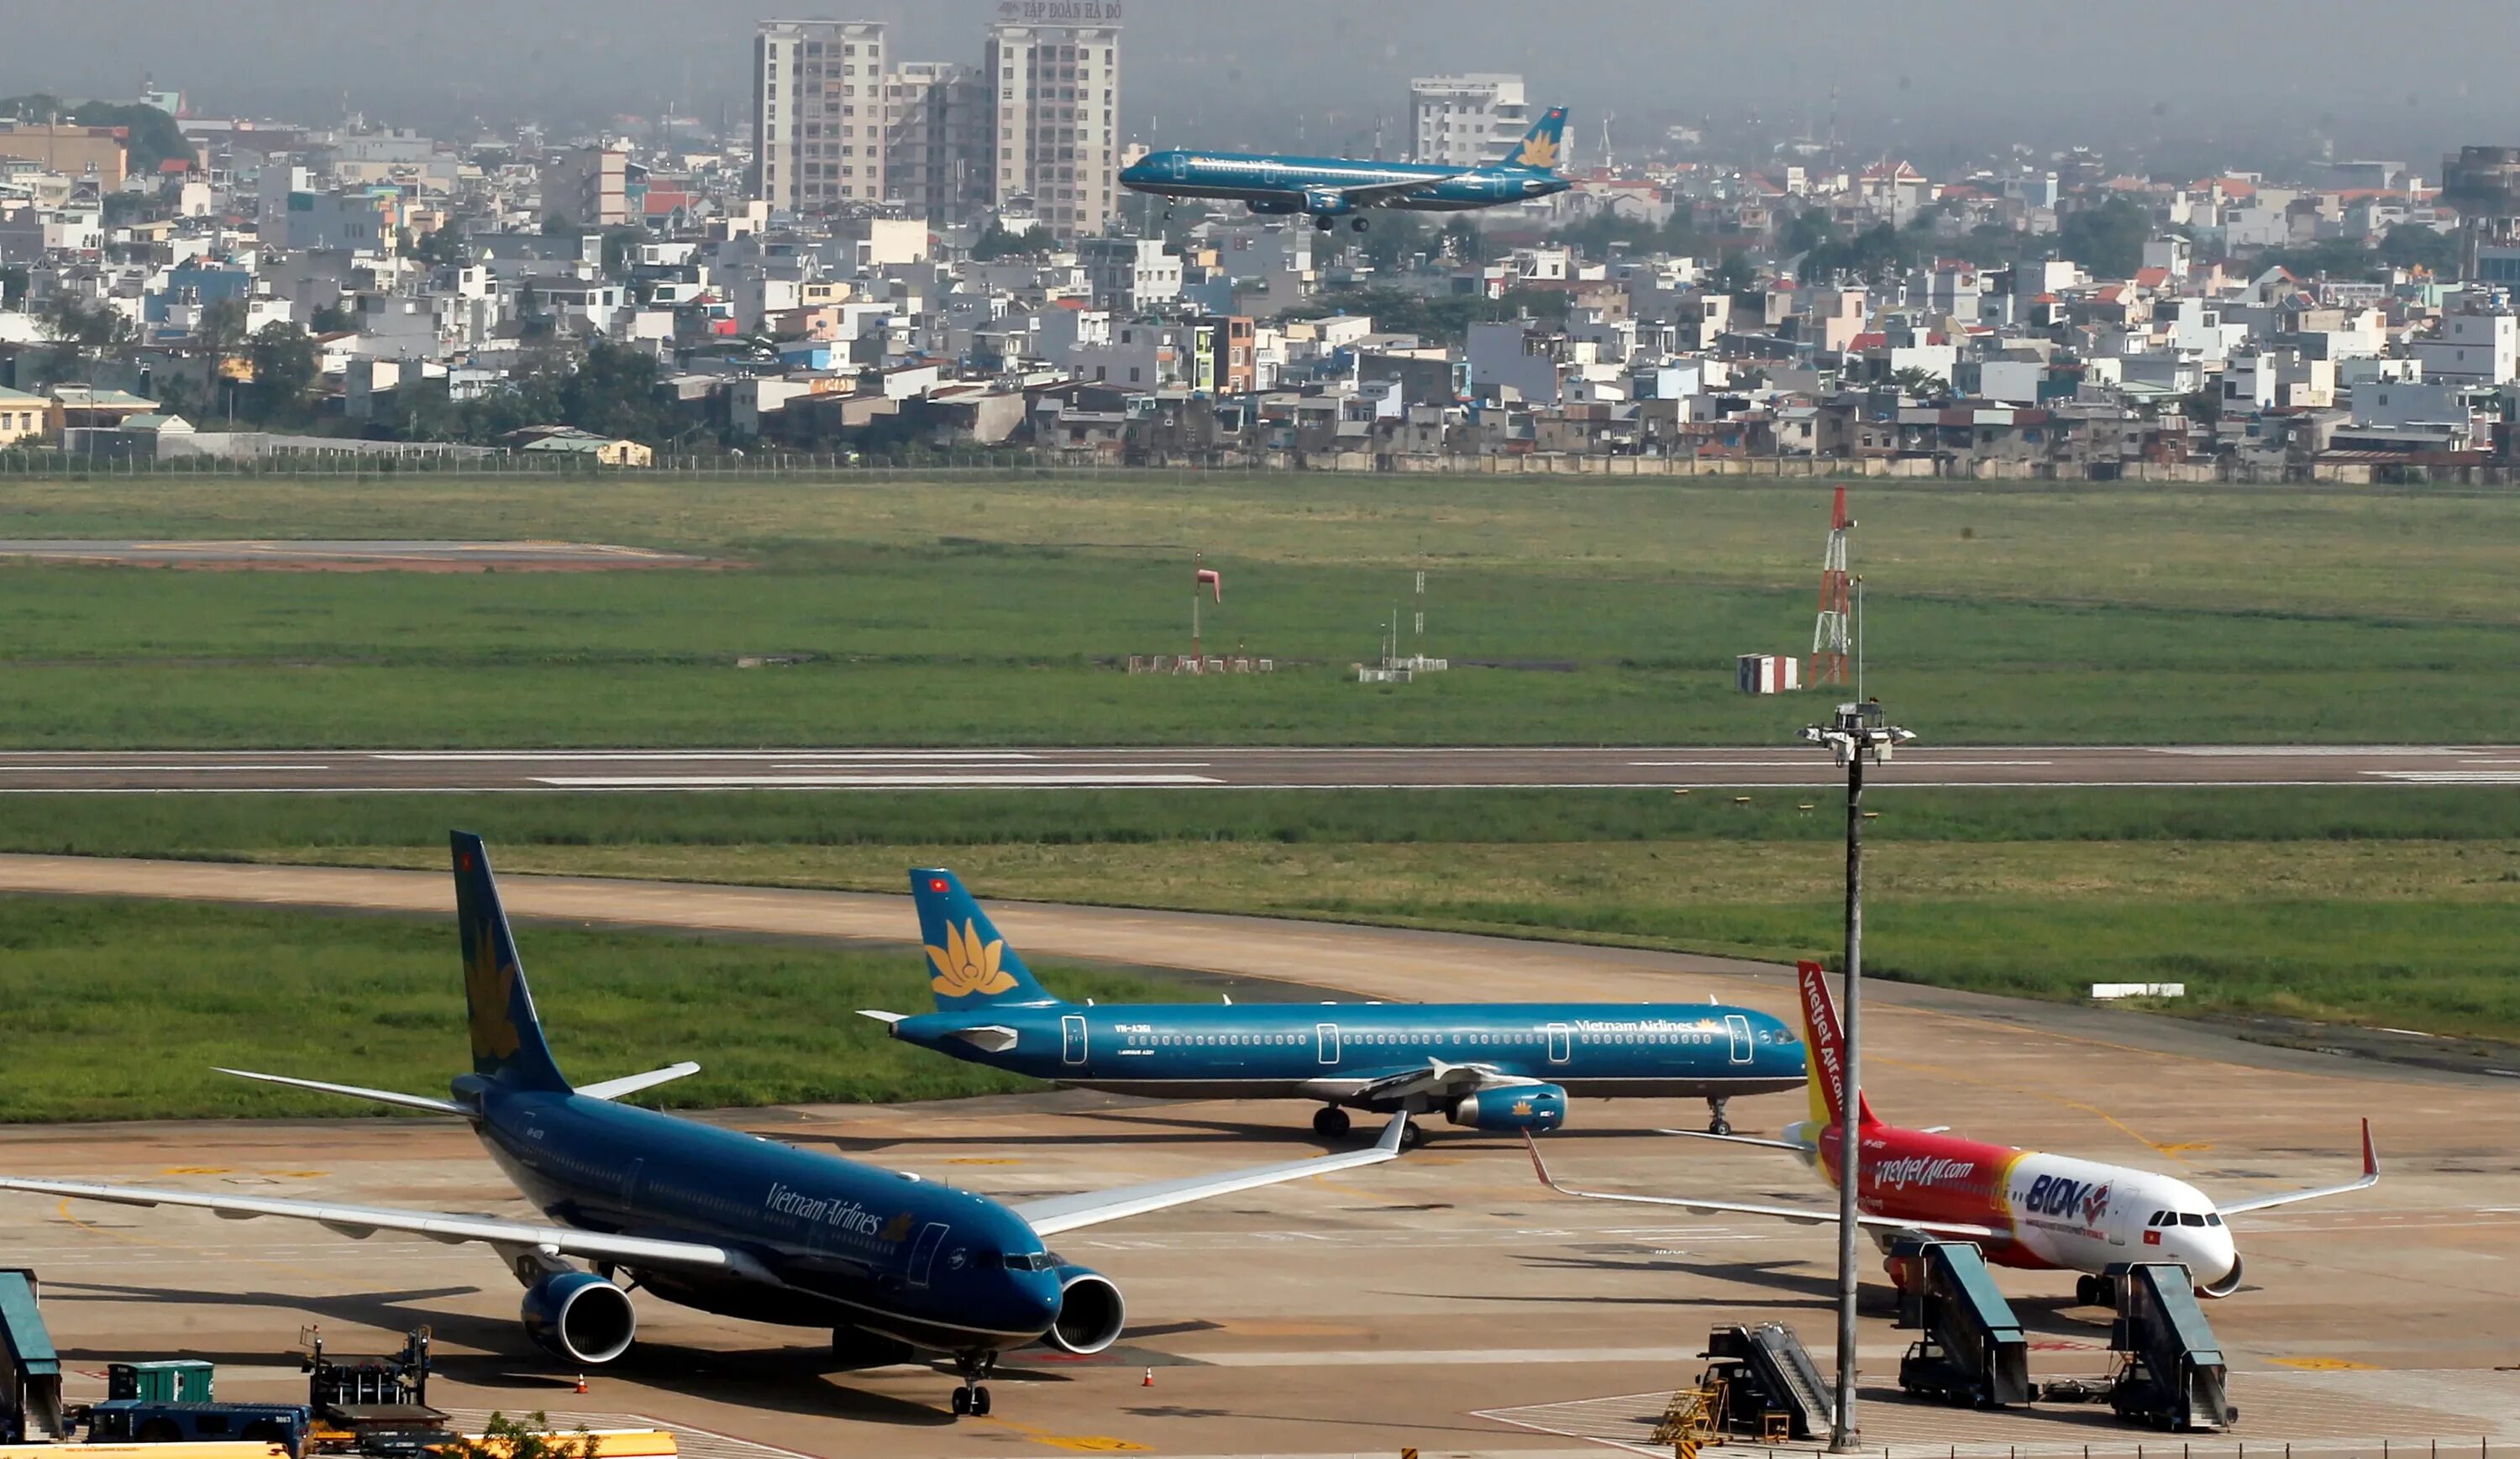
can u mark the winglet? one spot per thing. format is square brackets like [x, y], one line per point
[1539, 1167]
[1397, 1131]
[2370, 1154]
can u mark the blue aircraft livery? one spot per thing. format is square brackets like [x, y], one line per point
[889, 1264]
[1486, 1066]
[1334, 188]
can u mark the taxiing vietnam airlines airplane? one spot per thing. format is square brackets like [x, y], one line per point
[1334, 188]
[1486, 1066]
[2027, 1209]
[889, 1264]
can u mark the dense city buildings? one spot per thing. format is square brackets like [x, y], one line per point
[817, 113]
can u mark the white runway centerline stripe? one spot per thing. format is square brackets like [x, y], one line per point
[1936, 761]
[2448, 776]
[826, 782]
[540, 755]
[111, 768]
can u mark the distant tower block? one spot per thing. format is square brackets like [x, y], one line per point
[1829, 632]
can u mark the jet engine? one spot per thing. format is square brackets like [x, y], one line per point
[1532, 1107]
[1326, 202]
[581, 1316]
[1091, 1314]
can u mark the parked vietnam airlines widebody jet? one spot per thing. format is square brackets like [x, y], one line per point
[1487, 1066]
[1333, 188]
[2026, 1208]
[890, 1264]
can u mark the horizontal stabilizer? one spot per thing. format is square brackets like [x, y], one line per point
[632, 1083]
[881, 1017]
[1060, 1213]
[353, 1091]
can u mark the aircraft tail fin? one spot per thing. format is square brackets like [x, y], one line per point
[1825, 1040]
[507, 1036]
[969, 964]
[1542, 146]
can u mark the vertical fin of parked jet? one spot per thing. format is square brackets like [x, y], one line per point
[507, 1038]
[1825, 1043]
[1542, 145]
[968, 966]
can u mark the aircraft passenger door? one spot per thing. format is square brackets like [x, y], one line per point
[923, 1253]
[1326, 1038]
[1740, 1028]
[1561, 1043]
[1177, 167]
[1071, 1038]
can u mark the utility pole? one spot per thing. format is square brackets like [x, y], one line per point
[1858, 732]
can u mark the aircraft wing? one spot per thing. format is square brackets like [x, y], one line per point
[1093, 1207]
[1799, 1214]
[360, 1223]
[2369, 1178]
[1434, 1079]
[1376, 195]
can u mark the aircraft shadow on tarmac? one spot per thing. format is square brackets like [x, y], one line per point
[797, 1378]
[2048, 1316]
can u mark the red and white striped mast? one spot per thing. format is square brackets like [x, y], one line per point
[1831, 631]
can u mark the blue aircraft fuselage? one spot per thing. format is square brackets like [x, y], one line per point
[1330, 1052]
[852, 1246]
[1276, 183]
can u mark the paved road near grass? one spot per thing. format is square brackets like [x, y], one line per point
[1341, 769]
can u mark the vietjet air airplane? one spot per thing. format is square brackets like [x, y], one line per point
[2026, 1208]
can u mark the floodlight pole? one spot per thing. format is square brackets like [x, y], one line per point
[1857, 733]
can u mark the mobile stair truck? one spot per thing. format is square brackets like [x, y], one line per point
[2171, 1371]
[31, 1371]
[1771, 1387]
[1971, 1350]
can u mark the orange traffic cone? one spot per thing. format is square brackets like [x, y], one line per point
[1150, 1378]
[581, 1382]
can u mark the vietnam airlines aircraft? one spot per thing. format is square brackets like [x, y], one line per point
[890, 1264]
[1487, 1066]
[2025, 1208]
[1333, 188]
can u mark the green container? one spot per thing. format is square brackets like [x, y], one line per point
[174, 1380]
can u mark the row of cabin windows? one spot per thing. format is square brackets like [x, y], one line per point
[1368, 1040]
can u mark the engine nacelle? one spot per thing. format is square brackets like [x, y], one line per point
[1532, 1107]
[581, 1316]
[1091, 1314]
[1326, 202]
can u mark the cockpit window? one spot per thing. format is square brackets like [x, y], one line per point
[2213, 1219]
[1029, 1262]
[2162, 1219]
[2190, 1219]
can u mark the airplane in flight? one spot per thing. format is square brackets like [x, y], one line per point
[1334, 188]
[1486, 1066]
[890, 1264]
[2026, 1208]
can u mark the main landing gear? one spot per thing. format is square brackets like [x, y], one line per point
[1325, 223]
[1359, 224]
[1716, 1121]
[971, 1399]
[2096, 1292]
[1329, 1120]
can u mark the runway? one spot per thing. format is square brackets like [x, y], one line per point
[1443, 1301]
[1781, 766]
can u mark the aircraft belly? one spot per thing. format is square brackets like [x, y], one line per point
[1163, 1087]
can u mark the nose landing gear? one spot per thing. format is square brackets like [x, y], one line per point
[971, 1399]
[1716, 1121]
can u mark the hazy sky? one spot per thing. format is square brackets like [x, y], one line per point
[2410, 79]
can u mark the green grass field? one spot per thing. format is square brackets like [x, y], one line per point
[993, 610]
[119, 1010]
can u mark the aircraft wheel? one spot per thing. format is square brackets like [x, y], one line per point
[1718, 1120]
[961, 1402]
[2087, 1290]
[1411, 1136]
[1329, 1120]
[1360, 224]
[979, 1402]
[1323, 223]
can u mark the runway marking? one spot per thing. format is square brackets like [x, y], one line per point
[1937, 762]
[1092, 1444]
[2325, 1364]
[777, 782]
[107, 769]
[475, 756]
[2448, 776]
[2308, 751]
[1388, 1357]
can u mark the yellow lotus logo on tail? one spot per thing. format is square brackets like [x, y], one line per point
[967, 966]
[1538, 151]
[487, 984]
